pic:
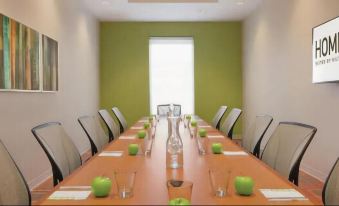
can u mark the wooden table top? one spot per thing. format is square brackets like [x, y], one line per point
[150, 183]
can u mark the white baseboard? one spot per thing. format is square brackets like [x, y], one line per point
[317, 174]
[40, 179]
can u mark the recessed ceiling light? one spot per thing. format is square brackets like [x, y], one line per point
[105, 2]
[201, 11]
[240, 3]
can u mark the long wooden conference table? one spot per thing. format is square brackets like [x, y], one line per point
[152, 175]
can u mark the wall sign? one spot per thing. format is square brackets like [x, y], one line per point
[326, 52]
[28, 59]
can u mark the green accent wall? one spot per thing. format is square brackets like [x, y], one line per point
[124, 65]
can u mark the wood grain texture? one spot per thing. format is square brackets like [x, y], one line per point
[150, 184]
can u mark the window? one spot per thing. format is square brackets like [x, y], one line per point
[171, 72]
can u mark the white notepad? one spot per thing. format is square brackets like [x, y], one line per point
[282, 194]
[75, 188]
[127, 137]
[204, 126]
[137, 127]
[237, 153]
[143, 121]
[111, 154]
[216, 136]
[69, 195]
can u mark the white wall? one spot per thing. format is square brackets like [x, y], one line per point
[277, 75]
[77, 34]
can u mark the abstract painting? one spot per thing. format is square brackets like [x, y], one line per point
[50, 64]
[19, 56]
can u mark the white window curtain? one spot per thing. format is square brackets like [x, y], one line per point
[171, 70]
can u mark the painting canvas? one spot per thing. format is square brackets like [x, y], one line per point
[19, 56]
[50, 64]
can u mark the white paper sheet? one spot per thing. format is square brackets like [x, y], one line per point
[127, 137]
[75, 188]
[282, 194]
[204, 126]
[216, 136]
[143, 121]
[69, 195]
[236, 153]
[137, 127]
[111, 154]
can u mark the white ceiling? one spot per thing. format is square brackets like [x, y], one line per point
[122, 10]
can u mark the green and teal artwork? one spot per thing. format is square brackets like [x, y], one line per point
[50, 64]
[20, 67]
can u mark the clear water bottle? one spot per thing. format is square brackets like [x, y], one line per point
[174, 146]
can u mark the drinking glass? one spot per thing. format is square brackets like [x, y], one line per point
[219, 179]
[151, 132]
[153, 121]
[186, 121]
[202, 143]
[148, 143]
[125, 183]
[145, 146]
[179, 189]
[194, 131]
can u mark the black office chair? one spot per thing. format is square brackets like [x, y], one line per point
[121, 119]
[176, 110]
[252, 142]
[286, 147]
[59, 148]
[230, 121]
[218, 116]
[164, 109]
[112, 127]
[14, 189]
[96, 135]
[330, 194]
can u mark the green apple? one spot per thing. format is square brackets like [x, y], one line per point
[133, 149]
[202, 132]
[217, 148]
[146, 125]
[188, 117]
[194, 123]
[150, 118]
[101, 186]
[141, 134]
[179, 201]
[244, 185]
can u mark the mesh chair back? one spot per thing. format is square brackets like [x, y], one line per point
[286, 147]
[218, 116]
[94, 132]
[163, 109]
[176, 110]
[59, 148]
[113, 128]
[229, 123]
[331, 188]
[121, 119]
[13, 190]
[252, 142]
